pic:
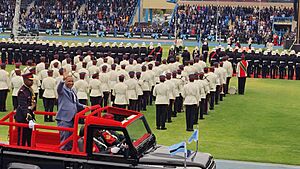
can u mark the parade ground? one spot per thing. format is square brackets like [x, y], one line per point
[260, 126]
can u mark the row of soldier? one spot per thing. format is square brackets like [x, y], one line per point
[22, 51]
[131, 84]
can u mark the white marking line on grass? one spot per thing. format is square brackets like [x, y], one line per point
[257, 164]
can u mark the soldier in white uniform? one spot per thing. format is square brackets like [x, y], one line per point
[140, 92]
[82, 89]
[113, 79]
[161, 93]
[172, 95]
[41, 76]
[15, 84]
[54, 61]
[229, 69]
[36, 84]
[176, 81]
[133, 87]
[219, 84]
[96, 90]
[145, 82]
[104, 80]
[93, 69]
[223, 80]
[49, 95]
[40, 66]
[28, 67]
[204, 101]
[4, 87]
[120, 92]
[201, 99]
[212, 78]
[12, 73]
[190, 93]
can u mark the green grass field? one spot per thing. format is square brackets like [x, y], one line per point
[262, 125]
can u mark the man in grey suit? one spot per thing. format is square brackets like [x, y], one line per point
[68, 106]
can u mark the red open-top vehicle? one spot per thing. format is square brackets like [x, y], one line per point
[135, 142]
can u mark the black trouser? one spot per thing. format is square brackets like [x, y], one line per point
[120, 117]
[291, 72]
[227, 85]
[25, 133]
[95, 100]
[10, 57]
[196, 114]
[212, 100]
[112, 98]
[180, 103]
[298, 72]
[176, 106]
[3, 57]
[250, 69]
[84, 102]
[190, 115]
[241, 84]
[256, 70]
[104, 101]
[41, 91]
[202, 107]
[273, 71]
[139, 103]
[222, 93]
[145, 99]
[133, 104]
[3, 96]
[264, 71]
[217, 94]
[151, 96]
[161, 111]
[49, 105]
[170, 110]
[15, 102]
[205, 109]
[282, 71]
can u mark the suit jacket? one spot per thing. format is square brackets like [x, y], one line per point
[68, 104]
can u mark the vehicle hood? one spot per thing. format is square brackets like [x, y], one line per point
[161, 157]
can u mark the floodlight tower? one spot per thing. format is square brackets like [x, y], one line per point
[16, 19]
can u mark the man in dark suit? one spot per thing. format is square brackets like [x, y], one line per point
[68, 106]
[26, 105]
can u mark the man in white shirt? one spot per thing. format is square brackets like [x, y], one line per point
[49, 95]
[229, 69]
[15, 84]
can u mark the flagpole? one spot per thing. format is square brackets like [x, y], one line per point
[185, 155]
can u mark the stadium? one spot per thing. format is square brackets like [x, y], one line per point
[168, 57]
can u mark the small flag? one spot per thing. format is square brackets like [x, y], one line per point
[194, 136]
[176, 148]
[189, 153]
[172, 1]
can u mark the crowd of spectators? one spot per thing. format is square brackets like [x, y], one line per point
[107, 15]
[7, 13]
[239, 23]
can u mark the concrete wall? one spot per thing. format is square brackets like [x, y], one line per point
[157, 4]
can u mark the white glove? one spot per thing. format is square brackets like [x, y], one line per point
[115, 150]
[31, 124]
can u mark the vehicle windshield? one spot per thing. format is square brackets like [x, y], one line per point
[137, 132]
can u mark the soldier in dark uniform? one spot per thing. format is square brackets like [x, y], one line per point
[158, 53]
[10, 53]
[291, 64]
[17, 52]
[24, 113]
[51, 52]
[265, 65]
[205, 50]
[114, 50]
[3, 52]
[282, 65]
[24, 52]
[256, 64]
[212, 56]
[136, 51]
[143, 51]
[249, 58]
[186, 56]
[297, 67]
[274, 66]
